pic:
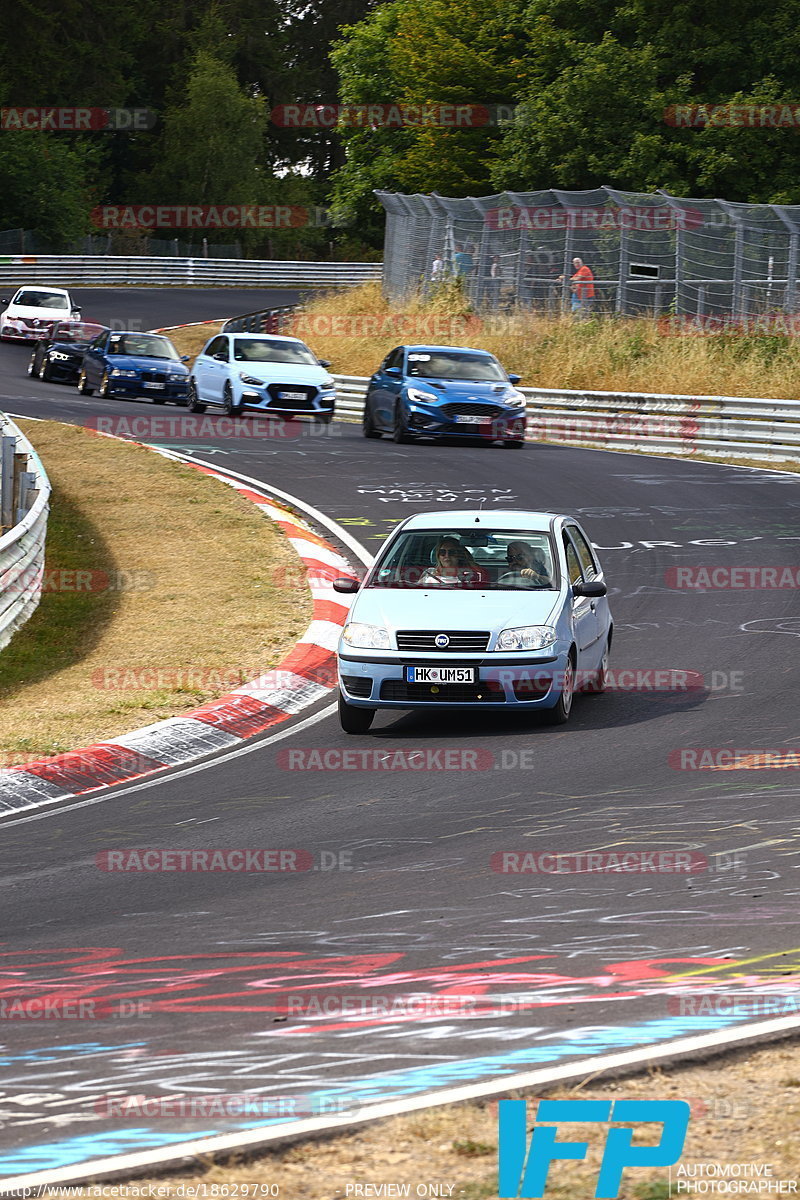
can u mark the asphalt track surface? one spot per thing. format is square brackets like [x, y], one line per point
[306, 985]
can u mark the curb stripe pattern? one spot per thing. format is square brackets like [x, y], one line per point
[305, 675]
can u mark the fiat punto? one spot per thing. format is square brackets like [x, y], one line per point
[476, 610]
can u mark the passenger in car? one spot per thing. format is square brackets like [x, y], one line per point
[454, 565]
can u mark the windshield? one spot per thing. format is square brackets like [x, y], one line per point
[35, 299]
[142, 345]
[496, 560]
[440, 364]
[76, 331]
[272, 350]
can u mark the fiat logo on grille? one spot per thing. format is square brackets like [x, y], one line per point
[441, 640]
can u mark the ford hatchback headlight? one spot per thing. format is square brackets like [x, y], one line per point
[515, 399]
[528, 637]
[416, 396]
[366, 637]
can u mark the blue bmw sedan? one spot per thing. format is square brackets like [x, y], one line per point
[444, 391]
[126, 365]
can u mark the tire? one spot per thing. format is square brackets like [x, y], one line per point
[368, 424]
[514, 444]
[400, 433]
[600, 682]
[102, 391]
[560, 714]
[352, 719]
[46, 371]
[192, 402]
[83, 386]
[324, 418]
[228, 407]
[32, 367]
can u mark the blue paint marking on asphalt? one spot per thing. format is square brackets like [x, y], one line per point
[392, 1085]
[50, 1053]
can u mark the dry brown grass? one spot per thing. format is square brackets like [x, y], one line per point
[190, 339]
[625, 354]
[745, 1105]
[222, 598]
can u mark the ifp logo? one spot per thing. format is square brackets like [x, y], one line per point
[523, 1170]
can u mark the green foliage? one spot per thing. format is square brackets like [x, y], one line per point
[46, 185]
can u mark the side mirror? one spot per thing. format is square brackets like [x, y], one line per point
[323, 362]
[221, 356]
[593, 588]
[346, 585]
[393, 372]
[76, 312]
[184, 358]
[514, 379]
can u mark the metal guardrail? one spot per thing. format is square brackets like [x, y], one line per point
[726, 426]
[25, 496]
[268, 320]
[93, 271]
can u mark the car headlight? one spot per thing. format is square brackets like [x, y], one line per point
[515, 399]
[251, 380]
[115, 371]
[61, 357]
[419, 397]
[528, 637]
[366, 637]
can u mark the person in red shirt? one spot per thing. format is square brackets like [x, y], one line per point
[582, 286]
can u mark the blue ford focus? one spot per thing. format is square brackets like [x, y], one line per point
[444, 391]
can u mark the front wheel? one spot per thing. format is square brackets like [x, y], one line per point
[599, 683]
[102, 391]
[400, 433]
[228, 407]
[83, 386]
[368, 424]
[32, 368]
[192, 401]
[45, 370]
[513, 443]
[324, 418]
[352, 719]
[560, 714]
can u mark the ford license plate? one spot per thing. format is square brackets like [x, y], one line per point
[469, 419]
[440, 674]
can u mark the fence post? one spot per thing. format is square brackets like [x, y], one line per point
[8, 446]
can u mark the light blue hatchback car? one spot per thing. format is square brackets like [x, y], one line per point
[475, 610]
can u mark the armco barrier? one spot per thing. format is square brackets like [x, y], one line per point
[26, 498]
[724, 426]
[95, 271]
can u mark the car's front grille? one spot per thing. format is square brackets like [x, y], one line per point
[460, 640]
[302, 397]
[471, 410]
[153, 377]
[357, 685]
[489, 692]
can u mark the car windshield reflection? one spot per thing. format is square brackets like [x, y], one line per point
[494, 560]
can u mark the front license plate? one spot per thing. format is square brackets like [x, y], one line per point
[155, 385]
[468, 419]
[440, 674]
[292, 395]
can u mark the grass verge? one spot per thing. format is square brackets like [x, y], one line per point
[745, 1109]
[185, 591]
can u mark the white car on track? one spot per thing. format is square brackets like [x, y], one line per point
[32, 310]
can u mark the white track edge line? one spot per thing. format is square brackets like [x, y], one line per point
[253, 1138]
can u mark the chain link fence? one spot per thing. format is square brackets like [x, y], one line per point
[23, 242]
[650, 254]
